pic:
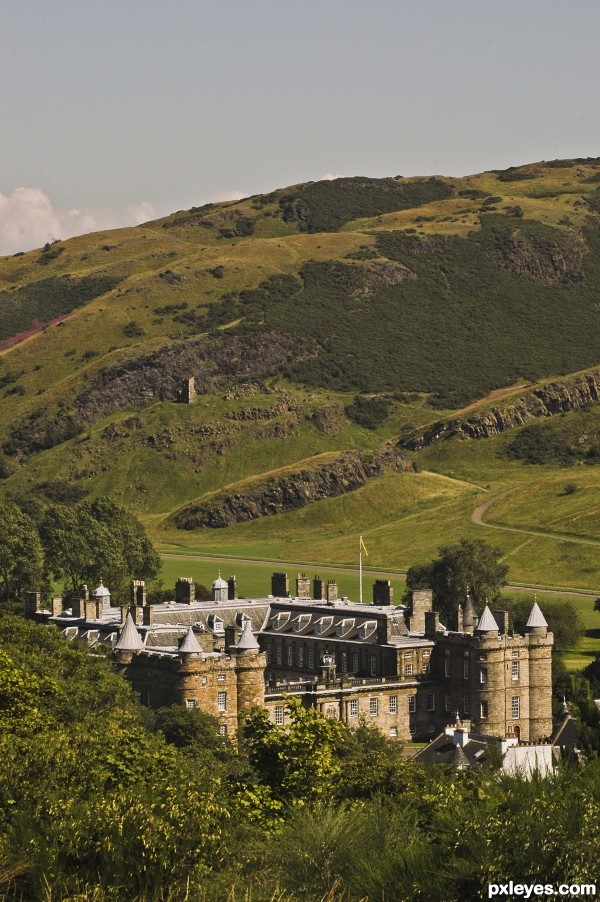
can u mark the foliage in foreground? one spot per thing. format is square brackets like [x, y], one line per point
[103, 800]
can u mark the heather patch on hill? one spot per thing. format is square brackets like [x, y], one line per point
[47, 299]
[457, 318]
[328, 205]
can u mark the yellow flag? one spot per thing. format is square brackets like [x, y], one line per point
[363, 546]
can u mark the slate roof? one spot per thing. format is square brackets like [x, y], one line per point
[565, 736]
[190, 645]
[442, 750]
[486, 623]
[129, 638]
[338, 621]
[536, 618]
[247, 641]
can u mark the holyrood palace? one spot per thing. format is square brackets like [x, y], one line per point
[397, 667]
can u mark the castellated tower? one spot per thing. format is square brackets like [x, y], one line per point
[499, 680]
[487, 663]
[540, 675]
[250, 665]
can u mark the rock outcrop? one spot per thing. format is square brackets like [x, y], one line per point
[293, 490]
[215, 360]
[547, 261]
[554, 398]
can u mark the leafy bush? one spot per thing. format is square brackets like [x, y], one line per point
[15, 390]
[50, 252]
[514, 174]
[368, 412]
[133, 330]
[61, 491]
[326, 206]
[40, 431]
[539, 444]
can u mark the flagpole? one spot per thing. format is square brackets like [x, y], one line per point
[360, 568]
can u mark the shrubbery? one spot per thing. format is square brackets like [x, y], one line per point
[43, 301]
[102, 800]
[368, 412]
[327, 205]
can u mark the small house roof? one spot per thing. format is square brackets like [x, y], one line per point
[101, 591]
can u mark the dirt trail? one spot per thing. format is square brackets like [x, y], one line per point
[477, 518]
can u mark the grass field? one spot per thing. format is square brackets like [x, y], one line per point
[254, 578]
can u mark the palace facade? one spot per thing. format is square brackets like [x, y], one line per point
[395, 667]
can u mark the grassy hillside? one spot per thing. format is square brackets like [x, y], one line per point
[423, 298]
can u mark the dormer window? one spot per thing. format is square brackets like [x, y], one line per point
[280, 620]
[322, 625]
[367, 629]
[241, 619]
[344, 626]
[300, 622]
[216, 624]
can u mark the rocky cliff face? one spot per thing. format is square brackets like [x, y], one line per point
[215, 360]
[552, 399]
[546, 261]
[294, 490]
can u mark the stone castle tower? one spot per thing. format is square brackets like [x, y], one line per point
[250, 665]
[502, 682]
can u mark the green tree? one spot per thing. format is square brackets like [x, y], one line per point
[301, 762]
[21, 555]
[470, 566]
[133, 555]
[96, 540]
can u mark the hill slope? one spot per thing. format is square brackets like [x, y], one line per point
[419, 295]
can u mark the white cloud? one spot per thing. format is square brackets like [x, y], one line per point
[28, 219]
[330, 176]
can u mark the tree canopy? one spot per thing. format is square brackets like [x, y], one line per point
[472, 566]
[21, 554]
[96, 540]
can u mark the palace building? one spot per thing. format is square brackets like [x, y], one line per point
[397, 667]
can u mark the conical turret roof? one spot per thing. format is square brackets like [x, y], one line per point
[247, 641]
[468, 611]
[189, 644]
[536, 618]
[101, 591]
[487, 623]
[130, 639]
[458, 758]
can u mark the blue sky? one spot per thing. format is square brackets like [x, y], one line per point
[116, 111]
